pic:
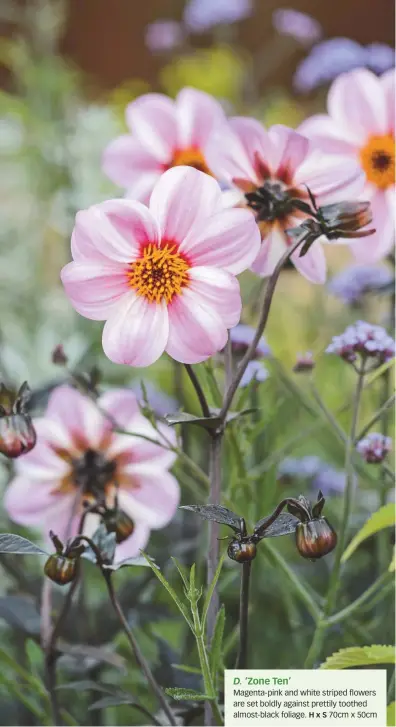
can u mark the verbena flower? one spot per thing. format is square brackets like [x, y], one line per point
[318, 474]
[364, 340]
[355, 281]
[300, 26]
[254, 370]
[79, 458]
[164, 134]
[202, 15]
[242, 336]
[334, 56]
[163, 35]
[360, 127]
[162, 277]
[158, 401]
[269, 171]
[374, 447]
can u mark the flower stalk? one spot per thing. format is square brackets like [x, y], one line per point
[241, 662]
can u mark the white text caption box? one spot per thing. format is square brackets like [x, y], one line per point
[307, 697]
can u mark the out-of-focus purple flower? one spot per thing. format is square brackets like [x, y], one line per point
[374, 447]
[365, 340]
[300, 26]
[241, 338]
[351, 284]
[163, 35]
[317, 473]
[201, 15]
[160, 403]
[379, 57]
[304, 363]
[338, 55]
[254, 370]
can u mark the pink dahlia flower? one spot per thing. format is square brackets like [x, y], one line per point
[360, 127]
[163, 277]
[164, 134]
[78, 457]
[270, 169]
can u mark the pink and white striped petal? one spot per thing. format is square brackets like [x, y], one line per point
[78, 414]
[219, 291]
[229, 240]
[198, 115]
[152, 119]
[153, 497]
[182, 199]
[312, 265]
[136, 332]
[196, 331]
[26, 501]
[94, 288]
[330, 178]
[272, 248]
[370, 249]
[290, 149]
[125, 160]
[357, 104]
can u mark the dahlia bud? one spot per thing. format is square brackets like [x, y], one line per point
[17, 434]
[60, 569]
[241, 552]
[315, 538]
[59, 357]
[118, 522]
[344, 219]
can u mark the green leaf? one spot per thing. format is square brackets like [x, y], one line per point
[112, 701]
[82, 685]
[184, 417]
[187, 669]
[360, 656]
[391, 714]
[217, 643]
[10, 543]
[181, 606]
[383, 518]
[187, 694]
[392, 564]
[211, 588]
[182, 574]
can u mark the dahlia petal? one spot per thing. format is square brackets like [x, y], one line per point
[312, 265]
[42, 462]
[143, 186]
[196, 331]
[328, 135]
[290, 149]
[152, 119]
[134, 449]
[219, 290]
[230, 152]
[375, 247]
[154, 497]
[181, 199]
[273, 246]
[330, 178]
[94, 288]
[198, 114]
[388, 85]
[133, 222]
[96, 227]
[78, 414]
[121, 405]
[230, 240]
[136, 332]
[62, 518]
[136, 542]
[125, 160]
[255, 140]
[356, 102]
[26, 501]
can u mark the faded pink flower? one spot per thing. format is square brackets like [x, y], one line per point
[268, 171]
[360, 126]
[79, 457]
[163, 277]
[164, 134]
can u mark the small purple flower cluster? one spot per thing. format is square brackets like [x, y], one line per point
[374, 447]
[241, 338]
[352, 283]
[363, 339]
[304, 363]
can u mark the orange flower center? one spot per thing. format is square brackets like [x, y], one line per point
[190, 157]
[378, 160]
[160, 273]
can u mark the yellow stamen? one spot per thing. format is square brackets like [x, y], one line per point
[159, 274]
[378, 160]
[190, 157]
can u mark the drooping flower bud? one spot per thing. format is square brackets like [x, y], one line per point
[59, 357]
[315, 538]
[17, 434]
[60, 569]
[304, 363]
[241, 552]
